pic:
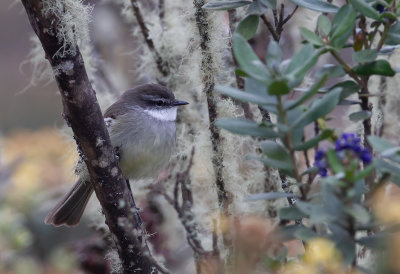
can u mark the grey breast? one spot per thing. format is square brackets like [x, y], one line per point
[145, 143]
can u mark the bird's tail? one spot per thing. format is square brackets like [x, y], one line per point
[70, 209]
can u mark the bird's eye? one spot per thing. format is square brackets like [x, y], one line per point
[159, 103]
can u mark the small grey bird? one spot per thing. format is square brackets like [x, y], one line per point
[141, 125]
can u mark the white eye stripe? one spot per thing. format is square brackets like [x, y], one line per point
[164, 114]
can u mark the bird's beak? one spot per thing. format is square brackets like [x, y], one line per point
[179, 103]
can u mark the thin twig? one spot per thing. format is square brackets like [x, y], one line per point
[270, 28]
[384, 34]
[162, 65]
[347, 69]
[161, 12]
[279, 22]
[290, 16]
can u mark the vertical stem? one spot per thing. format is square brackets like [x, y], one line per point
[289, 145]
[162, 65]
[207, 68]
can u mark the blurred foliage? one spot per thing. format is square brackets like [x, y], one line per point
[44, 158]
[34, 163]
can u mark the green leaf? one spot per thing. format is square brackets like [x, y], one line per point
[275, 151]
[379, 144]
[305, 234]
[269, 3]
[311, 170]
[379, 67]
[291, 213]
[301, 63]
[311, 37]
[269, 196]
[240, 72]
[359, 213]
[315, 212]
[259, 7]
[348, 88]
[283, 166]
[364, 56]
[248, 26]
[363, 173]
[324, 25]
[331, 70]
[274, 54]
[393, 35]
[243, 96]
[225, 5]
[389, 153]
[319, 108]
[387, 15]
[384, 147]
[309, 94]
[246, 127]
[277, 156]
[342, 26]
[334, 161]
[316, 5]
[326, 133]
[278, 88]
[376, 241]
[296, 133]
[365, 9]
[360, 115]
[344, 242]
[386, 167]
[248, 60]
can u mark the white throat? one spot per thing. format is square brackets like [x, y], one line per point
[166, 114]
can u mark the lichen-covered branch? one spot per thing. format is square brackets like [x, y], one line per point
[208, 72]
[184, 209]
[162, 65]
[83, 115]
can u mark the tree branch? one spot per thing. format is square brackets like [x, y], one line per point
[162, 65]
[83, 115]
[207, 68]
[271, 28]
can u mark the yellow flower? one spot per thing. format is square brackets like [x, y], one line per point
[300, 268]
[386, 204]
[321, 251]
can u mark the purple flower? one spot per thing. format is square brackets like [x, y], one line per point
[321, 163]
[365, 156]
[380, 8]
[323, 172]
[349, 141]
[319, 155]
[348, 145]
